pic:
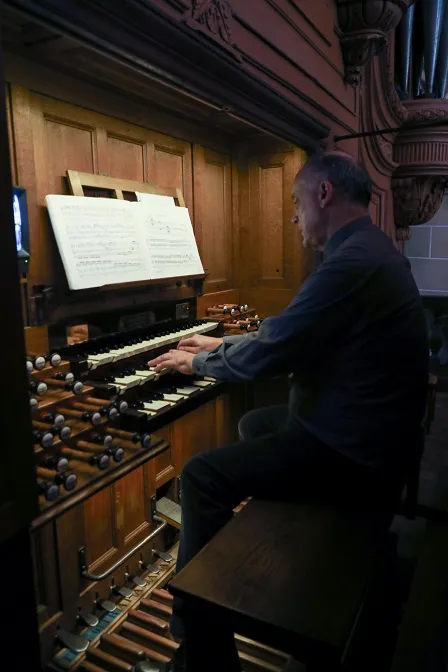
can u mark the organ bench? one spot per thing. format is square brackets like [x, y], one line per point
[301, 579]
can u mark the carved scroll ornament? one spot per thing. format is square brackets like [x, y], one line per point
[364, 25]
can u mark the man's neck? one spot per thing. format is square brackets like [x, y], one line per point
[343, 217]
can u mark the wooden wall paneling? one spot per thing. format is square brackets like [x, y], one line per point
[59, 140]
[213, 217]
[127, 159]
[52, 136]
[277, 265]
[75, 90]
[171, 166]
[244, 252]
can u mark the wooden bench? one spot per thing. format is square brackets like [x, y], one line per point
[297, 578]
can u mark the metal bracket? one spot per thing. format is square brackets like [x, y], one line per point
[99, 577]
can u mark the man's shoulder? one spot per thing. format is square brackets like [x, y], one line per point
[371, 245]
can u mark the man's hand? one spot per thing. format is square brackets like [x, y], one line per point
[176, 360]
[199, 343]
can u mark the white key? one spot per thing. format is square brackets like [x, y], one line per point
[156, 405]
[202, 383]
[145, 376]
[173, 397]
[129, 381]
[186, 391]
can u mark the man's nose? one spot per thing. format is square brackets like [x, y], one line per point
[295, 219]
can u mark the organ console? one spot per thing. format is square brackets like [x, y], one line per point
[110, 439]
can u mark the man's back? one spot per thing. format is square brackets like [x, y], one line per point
[364, 390]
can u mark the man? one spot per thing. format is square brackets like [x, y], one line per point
[354, 340]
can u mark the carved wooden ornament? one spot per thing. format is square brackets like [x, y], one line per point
[364, 25]
[213, 18]
[420, 181]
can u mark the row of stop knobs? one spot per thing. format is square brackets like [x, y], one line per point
[53, 470]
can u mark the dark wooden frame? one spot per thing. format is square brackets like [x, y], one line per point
[18, 494]
[139, 34]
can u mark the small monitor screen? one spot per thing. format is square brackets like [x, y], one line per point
[20, 214]
[17, 222]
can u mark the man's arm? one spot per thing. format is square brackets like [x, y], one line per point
[294, 340]
[237, 338]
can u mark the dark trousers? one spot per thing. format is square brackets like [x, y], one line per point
[270, 462]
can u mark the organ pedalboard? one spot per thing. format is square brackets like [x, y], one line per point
[235, 318]
[133, 633]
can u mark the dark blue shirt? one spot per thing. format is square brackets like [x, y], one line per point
[354, 339]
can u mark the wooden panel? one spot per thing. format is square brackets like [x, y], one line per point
[126, 159]
[44, 556]
[163, 461]
[168, 168]
[70, 533]
[130, 505]
[66, 145]
[277, 264]
[213, 217]
[272, 222]
[170, 165]
[194, 433]
[99, 526]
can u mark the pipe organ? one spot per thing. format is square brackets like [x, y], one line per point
[110, 439]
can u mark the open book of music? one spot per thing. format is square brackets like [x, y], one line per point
[106, 241]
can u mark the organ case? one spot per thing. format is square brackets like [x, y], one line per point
[88, 529]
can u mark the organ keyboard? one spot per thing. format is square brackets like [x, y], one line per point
[115, 348]
[106, 384]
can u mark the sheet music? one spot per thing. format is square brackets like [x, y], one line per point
[99, 240]
[170, 242]
[156, 200]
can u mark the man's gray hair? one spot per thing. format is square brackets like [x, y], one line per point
[350, 180]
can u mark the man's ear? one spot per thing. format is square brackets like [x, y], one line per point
[325, 193]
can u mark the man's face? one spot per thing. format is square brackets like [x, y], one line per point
[310, 213]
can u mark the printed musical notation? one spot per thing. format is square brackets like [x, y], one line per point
[106, 241]
[170, 242]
